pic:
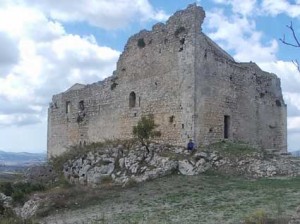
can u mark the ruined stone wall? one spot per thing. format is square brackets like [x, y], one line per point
[158, 67]
[250, 97]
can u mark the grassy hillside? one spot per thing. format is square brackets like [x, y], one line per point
[206, 199]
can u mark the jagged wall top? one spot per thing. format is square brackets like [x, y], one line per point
[191, 18]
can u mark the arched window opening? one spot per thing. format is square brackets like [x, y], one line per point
[132, 99]
[68, 107]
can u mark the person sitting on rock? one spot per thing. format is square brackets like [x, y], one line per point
[190, 145]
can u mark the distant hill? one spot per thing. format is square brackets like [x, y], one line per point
[296, 153]
[17, 160]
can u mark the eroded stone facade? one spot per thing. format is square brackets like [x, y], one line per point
[192, 87]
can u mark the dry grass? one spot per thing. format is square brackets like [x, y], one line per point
[206, 199]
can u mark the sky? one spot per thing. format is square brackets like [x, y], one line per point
[46, 46]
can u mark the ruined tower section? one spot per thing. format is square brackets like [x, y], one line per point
[158, 67]
[237, 101]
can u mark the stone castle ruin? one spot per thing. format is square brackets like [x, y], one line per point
[193, 89]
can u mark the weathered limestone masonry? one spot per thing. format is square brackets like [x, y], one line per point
[192, 87]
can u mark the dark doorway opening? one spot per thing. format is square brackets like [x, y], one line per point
[226, 126]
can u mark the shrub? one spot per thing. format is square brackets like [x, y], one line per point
[6, 188]
[20, 190]
[257, 217]
[2, 208]
[261, 217]
[145, 130]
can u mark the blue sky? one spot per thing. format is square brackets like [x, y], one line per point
[47, 46]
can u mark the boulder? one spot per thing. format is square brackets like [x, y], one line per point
[30, 207]
[186, 168]
[121, 163]
[200, 155]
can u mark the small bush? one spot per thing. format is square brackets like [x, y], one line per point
[6, 188]
[257, 217]
[261, 217]
[2, 208]
[19, 191]
[145, 130]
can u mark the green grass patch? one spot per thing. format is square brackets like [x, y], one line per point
[233, 149]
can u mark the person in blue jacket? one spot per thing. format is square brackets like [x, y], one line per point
[190, 145]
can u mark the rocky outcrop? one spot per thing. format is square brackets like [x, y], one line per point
[26, 211]
[120, 166]
[5, 201]
[30, 207]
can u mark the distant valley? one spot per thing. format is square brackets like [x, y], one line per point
[296, 153]
[17, 161]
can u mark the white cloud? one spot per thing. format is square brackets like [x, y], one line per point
[38, 59]
[9, 53]
[245, 7]
[281, 6]
[270, 7]
[294, 124]
[18, 119]
[24, 138]
[287, 71]
[239, 34]
[106, 14]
